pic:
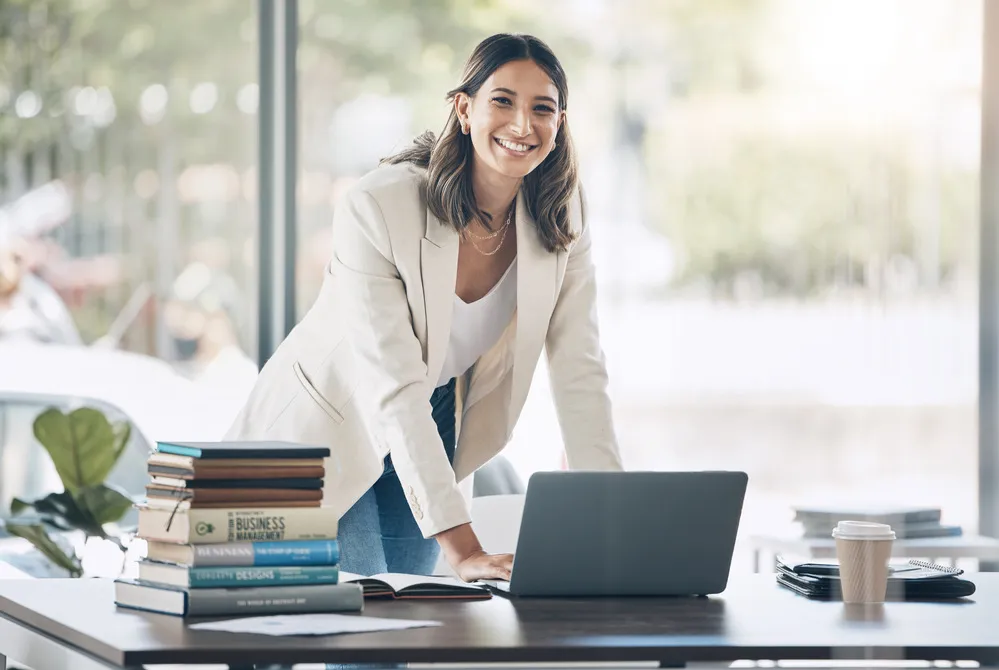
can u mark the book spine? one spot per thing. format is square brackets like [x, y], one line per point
[275, 600]
[214, 526]
[295, 552]
[201, 578]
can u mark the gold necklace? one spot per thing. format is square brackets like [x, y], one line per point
[499, 245]
[489, 236]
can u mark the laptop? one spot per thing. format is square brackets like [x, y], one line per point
[626, 534]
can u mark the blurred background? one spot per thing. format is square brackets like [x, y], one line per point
[784, 201]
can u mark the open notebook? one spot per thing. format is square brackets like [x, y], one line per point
[399, 585]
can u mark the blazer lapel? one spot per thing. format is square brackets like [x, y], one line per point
[537, 277]
[439, 271]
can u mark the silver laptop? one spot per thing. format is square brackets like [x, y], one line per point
[626, 534]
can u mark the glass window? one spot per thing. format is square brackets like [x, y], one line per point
[784, 206]
[127, 220]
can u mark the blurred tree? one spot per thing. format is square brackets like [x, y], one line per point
[380, 50]
[794, 216]
[119, 97]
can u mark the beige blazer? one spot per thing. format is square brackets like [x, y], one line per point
[356, 374]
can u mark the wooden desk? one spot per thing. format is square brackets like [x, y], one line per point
[948, 549]
[52, 624]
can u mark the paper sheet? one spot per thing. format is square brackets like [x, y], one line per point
[310, 624]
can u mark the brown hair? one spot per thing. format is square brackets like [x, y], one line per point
[448, 159]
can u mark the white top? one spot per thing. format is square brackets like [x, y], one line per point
[477, 326]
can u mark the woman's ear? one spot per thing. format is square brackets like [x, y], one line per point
[462, 108]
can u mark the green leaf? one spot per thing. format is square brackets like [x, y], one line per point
[36, 534]
[103, 503]
[61, 511]
[84, 445]
[122, 432]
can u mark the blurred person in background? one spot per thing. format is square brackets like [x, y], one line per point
[202, 317]
[30, 309]
[453, 264]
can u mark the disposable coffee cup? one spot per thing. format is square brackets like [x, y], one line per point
[863, 550]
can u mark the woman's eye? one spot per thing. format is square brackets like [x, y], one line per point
[501, 100]
[544, 109]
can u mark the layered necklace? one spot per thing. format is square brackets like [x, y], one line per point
[501, 231]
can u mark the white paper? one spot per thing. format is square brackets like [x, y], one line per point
[311, 624]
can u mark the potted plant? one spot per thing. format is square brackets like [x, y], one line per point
[84, 447]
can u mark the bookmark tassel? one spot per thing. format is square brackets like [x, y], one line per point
[180, 499]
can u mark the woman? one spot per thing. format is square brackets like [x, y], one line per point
[453, 264]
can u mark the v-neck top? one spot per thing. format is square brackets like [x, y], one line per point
[477, 326]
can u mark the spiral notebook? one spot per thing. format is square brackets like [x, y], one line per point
[913, 580]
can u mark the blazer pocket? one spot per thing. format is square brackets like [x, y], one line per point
[323, 403]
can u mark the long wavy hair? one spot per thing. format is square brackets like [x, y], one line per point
[448, 159]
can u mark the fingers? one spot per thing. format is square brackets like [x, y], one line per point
[486, 566]
[503, 565]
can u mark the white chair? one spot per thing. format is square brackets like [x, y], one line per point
[496, 521]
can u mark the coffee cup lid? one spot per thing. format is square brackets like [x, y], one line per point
[863, 530]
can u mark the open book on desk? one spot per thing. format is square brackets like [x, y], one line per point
[398, 585]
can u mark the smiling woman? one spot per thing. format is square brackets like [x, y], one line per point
[454, 264]
[507, 123]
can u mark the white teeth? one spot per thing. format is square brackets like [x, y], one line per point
[513, 145]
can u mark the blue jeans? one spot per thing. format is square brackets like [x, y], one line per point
[379, 533]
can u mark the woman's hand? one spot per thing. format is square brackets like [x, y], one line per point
[470, 562]
[485, 566]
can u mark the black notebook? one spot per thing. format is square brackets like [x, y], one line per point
[914, 580]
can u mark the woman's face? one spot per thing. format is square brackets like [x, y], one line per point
[513, 119]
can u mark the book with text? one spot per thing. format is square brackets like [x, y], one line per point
[243, 524]
[252, 601]
[237, 576]
[289, 552]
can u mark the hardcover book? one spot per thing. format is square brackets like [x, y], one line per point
[289, 552]
[235, 576]
[242, 449]
[234, 524]
[252, 601]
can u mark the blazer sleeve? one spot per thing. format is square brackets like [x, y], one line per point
[577, 366]
[392, 391]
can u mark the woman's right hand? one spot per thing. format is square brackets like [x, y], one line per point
[481, 565]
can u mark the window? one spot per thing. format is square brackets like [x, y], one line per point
[128, 192]
[784, 206]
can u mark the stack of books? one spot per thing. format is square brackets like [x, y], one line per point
[907, 522]
[237, 528]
